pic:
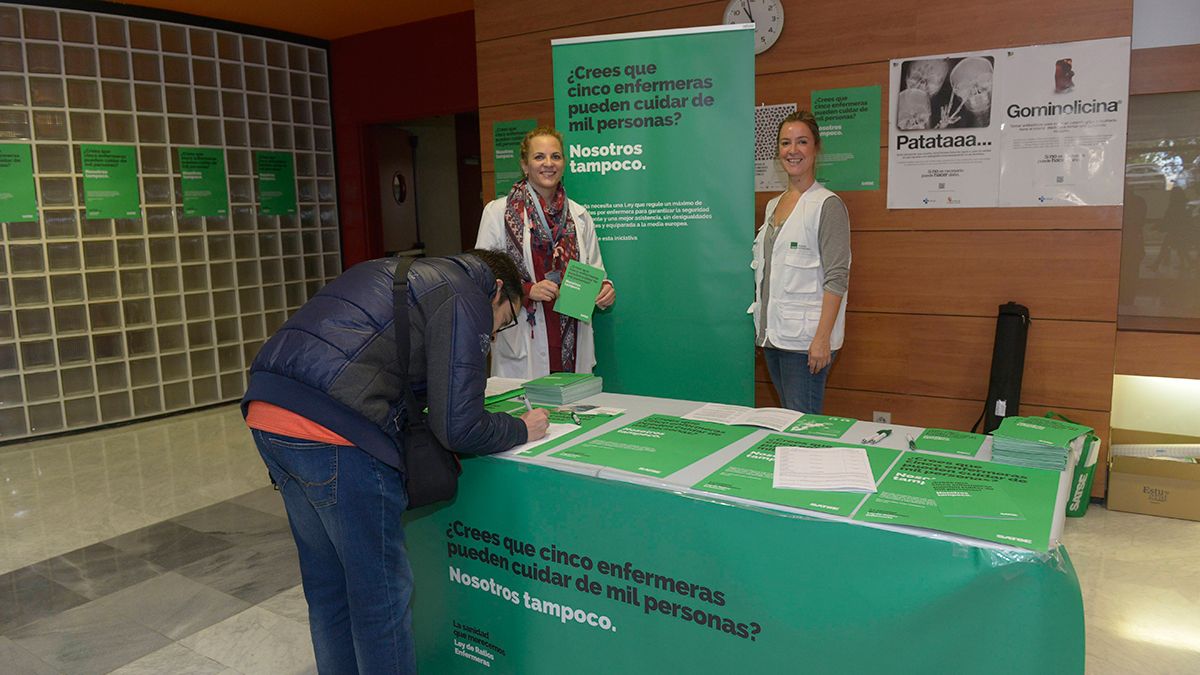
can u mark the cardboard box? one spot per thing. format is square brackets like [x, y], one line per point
[1154, 486]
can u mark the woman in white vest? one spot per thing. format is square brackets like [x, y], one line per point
[542, 230]
[801, 273]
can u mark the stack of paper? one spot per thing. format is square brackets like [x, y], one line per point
[778, 419]
[832, 469]
[1037, 442]
[563, 388]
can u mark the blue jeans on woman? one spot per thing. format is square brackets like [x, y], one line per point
[798, 389]
[344, 507]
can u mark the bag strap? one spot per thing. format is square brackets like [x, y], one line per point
[415, 417]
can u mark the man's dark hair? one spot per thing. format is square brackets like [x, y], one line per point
[505, 270]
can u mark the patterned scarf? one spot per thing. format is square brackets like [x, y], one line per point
[558, 246]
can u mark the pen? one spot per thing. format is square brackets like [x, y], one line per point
[528, 408]
[879, 436]
[575, 418]
[912, 443]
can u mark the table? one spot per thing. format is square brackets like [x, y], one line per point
[542, 565]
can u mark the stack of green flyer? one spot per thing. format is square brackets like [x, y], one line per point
[825, 426]
[563, 388]
[586, 422]
[950, 442]
[749, 476]
[658, 445]
[1038, 442]
[1011, 505]
[578, 290]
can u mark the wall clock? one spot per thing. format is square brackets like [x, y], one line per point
[766, 15]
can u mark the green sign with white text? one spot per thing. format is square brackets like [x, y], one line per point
[110, 181]
[205, 190]
[18, 197]
[276, 183]
[850, 134]
[659, 132]
[506, 144]
[658, 445]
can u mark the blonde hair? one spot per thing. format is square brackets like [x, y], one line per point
[808, 119]
[540, 131]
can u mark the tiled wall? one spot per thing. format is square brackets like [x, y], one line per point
[107, 320]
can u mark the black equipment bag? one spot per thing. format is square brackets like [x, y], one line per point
[1008, 365]
[430, 470]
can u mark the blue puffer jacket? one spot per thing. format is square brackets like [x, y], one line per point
[334, 361]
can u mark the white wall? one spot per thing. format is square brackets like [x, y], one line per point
[437, 184]
[1165, 23]
[1159, 404]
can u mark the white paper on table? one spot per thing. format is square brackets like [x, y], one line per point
[778, 419]
[588, 409]
[502, 385]
[831, 469]
[552, 433]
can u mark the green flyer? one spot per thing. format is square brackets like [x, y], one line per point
[825, 426]
[110, 181]
[506, 140]
[1011, 505]
[751, 474]
[586, 423]
[850, 137]
[276, 183]
[577, 294]
[658, 445]
[950, 442]
[18, 197]
[205, 190]
[659, 130]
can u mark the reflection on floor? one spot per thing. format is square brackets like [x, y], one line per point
[160, 548]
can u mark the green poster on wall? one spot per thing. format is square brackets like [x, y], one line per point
[110, 181]
[205, 190]
[506, 141]
[18, 197]
[751, 474]
[658, 445]
[276, 183]
[850, 132]
[659, 131]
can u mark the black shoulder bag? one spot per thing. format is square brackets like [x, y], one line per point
[430, 470]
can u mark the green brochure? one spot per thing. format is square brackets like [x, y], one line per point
[276, 183]
[205, 190]
[18, 197]
[1011, 505]
[822, 425]
[1041, 430]
[110, 181]
[586, 423]
[751, 474]
[578, 291]
[950, 442]
[658, 445]
[506, 142]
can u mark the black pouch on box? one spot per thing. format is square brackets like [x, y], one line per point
[430, 470]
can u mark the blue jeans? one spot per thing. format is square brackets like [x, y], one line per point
[344, 507]
[798, 389]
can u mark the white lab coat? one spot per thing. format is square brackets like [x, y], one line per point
[520, 352]
[797, 277]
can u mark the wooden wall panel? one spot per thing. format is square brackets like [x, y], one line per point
[1164, 70]
[501, 18]
[1158, 354]
[1067, 364]
[542, 111]
[1056, 274]
[868, 211]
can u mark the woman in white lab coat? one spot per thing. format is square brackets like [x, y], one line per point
[802, 273]
[543, 230]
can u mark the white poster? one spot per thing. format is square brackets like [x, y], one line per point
[1065, 115]
[945, 135]
[768, 174]
[1018, 127]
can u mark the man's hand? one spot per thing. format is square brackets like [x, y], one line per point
[537, 421]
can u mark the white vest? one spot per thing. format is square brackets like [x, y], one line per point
[797, 277]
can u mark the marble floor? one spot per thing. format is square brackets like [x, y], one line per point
[160, 547]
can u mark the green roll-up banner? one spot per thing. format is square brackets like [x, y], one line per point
[659, 131]
[205, 189]
[534, 571]
[18, 197]
[110, 181]
[276, 183]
